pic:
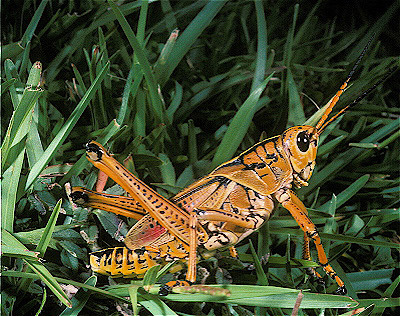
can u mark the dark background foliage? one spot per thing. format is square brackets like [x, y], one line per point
[208, 86]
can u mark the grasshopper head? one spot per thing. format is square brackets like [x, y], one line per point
[300, 144]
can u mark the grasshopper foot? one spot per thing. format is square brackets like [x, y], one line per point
[167, 287]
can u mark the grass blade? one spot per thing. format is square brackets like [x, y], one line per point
[239, 126]
[66, 129]
[9, 183]
[262, 46]
[19, 124]
[347, 194]
[38, 268]
[49, 280]
[80, 299]
[189, 36]
[140, 54]
[49, 229]
[30, 30]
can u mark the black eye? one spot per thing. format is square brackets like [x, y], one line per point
[303, 141]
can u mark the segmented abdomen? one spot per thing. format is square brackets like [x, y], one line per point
[124, 262]
[121, 261]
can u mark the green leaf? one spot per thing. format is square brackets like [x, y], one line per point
[140, 54]
[38, 268]
[30, 30]
[150, 277]
[49, 280]
[80, 299]
[133, 289]
[296, 112]
[49, 229]
[19, 124]
[189, 36]
[66, 129]
[262, 278]
[9, 185]
[347, 194]
[239, 126]
[19, 253]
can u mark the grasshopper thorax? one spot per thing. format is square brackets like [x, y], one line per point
[300, 144]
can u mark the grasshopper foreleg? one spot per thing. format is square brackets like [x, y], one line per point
[297, 209]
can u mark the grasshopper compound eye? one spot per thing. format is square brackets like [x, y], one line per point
[303, 141]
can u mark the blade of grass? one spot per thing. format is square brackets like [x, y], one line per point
[337, 237]
[4, 86]
[133, 295]
[17, 274]
[49, 229]
[348, 156]
[49, 280]
[131, 87]
[25, 62]
[10, 71]
[139, 122]
[19, 124]
[80, 299]
[262, 46]
[347, 194]
[30, 30]
[267, 296]
[66, 129]
[44, 241]
[154, 305]
[239, 126]
[150, 277]
[44, 298]
[158, 106]
[388, 293]
[161, 64]
[38, 268]
[11, 50]
[9, 185]
[261, 277]
[189, 36]
[206, 91]
[288, 49]
[175, 102]
[19, 253]
[296, 112]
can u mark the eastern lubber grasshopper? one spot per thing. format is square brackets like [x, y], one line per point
[218, 210]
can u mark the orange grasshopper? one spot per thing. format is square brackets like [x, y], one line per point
[217, 211]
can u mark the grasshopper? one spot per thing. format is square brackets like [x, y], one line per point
[217, 211]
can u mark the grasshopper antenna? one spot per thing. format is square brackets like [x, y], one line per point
[357, 100]
[335, 99]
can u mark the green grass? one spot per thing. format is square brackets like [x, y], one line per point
[178, 103]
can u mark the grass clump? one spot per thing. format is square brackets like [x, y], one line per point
[168, 85]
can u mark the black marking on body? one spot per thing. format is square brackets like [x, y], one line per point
[278, 150]
[272, 157]
[235, 162]
[254, 166]
[223, 242]
[90, 147]
[222, 180]
[140, 251]
[78, 195]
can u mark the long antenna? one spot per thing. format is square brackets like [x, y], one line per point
[357, 100]
[335, 99]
